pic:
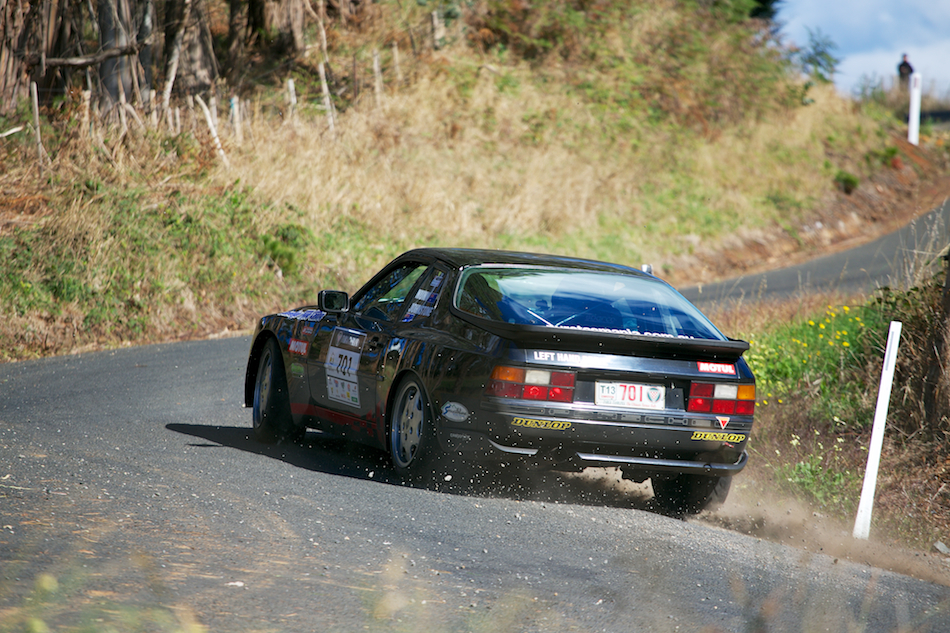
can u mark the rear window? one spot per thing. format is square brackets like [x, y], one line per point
[567, 298]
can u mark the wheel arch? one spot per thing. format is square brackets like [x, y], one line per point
[253, 362]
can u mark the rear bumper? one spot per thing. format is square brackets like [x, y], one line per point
[653, 464]
[476, 446]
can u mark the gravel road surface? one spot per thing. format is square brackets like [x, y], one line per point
[132, 498]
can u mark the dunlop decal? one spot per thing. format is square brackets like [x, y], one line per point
[710, 436]
[552, 425]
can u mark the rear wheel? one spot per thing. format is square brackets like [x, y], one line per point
[689, 494]
[412, 443]
[271, 413]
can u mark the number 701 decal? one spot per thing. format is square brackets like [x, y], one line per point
[343, 359]
[342, 365]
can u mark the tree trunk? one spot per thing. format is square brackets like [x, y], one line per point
[237, 33]
[256, 21]
[145, 17]
[14, 80]
[31, 32]
[285, 18]
[115, 31]
[291, 14]
[197, 66]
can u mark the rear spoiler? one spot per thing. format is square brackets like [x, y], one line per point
[616, 341]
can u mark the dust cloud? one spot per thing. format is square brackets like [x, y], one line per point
[780, 519]
[748, 510]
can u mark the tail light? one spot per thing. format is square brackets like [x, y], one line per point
[727, 399]
[531, 384]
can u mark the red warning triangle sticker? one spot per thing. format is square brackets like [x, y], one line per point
[723, 421]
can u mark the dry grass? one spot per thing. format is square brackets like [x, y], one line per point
[583, 152]
[526, 168]
[742, 318]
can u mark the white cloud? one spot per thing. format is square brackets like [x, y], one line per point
[930, 61]
[871, 35]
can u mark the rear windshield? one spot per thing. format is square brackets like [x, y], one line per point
[568, 298]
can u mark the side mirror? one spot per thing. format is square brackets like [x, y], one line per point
[333, 301]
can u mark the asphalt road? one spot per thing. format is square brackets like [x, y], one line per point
[131, 498]
[888, 261]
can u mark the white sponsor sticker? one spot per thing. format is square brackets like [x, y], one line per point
[345, 391]
[343, 359]
[454, 412]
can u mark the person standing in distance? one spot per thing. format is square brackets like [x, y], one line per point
[904, 71]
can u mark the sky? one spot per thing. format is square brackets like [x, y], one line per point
[871, 36]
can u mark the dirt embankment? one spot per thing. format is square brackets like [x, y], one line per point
[912, 183]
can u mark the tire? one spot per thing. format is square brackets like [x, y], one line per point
[271, 412]
[413, 447]
[689, 494]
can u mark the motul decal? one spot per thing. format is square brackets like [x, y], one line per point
[723, 421]
[717, 368]
[298, 347]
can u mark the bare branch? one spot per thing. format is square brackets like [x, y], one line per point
[90, 60]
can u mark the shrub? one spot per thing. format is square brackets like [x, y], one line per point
[846, 182]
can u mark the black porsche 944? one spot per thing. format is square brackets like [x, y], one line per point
[489, 356]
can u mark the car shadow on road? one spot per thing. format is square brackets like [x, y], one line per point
[333, 456]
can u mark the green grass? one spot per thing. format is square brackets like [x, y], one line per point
[817, 382]
[820, 356]
[814, 403]
[147, 262]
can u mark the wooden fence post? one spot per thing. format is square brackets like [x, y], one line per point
[438, 31]
[192, 119]
[121, 107]
[328, 106]
[36, 124]
[214, 131]
[248, 115]
[396, 64]
[236, 120]
[377, 79]
[292, 98]
[86, 97]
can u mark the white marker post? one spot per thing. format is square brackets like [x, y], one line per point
[862, 524]
[913, 119]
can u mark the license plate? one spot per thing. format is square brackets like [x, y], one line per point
[631, 395]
